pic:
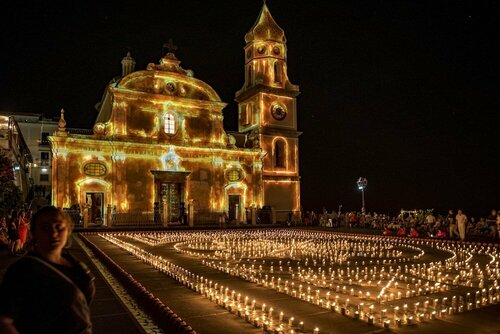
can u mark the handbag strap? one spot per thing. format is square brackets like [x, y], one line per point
[54, 269]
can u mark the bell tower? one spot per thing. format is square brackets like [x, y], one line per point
[267, 113]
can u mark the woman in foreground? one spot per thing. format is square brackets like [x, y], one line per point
[48, 290]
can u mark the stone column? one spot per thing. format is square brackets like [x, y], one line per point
[86, 216]
[108, 215]
[254, 214]
[165, 213]
[237, 213]
[190, 213]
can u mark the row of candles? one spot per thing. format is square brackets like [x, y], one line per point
[258, 314]
[432, 273]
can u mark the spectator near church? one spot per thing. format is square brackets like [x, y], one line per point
[430, 219]
[498, 225]
[461, 220]
[491, 220]
[452, 224]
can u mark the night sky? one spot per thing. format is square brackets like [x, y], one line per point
[404, 93]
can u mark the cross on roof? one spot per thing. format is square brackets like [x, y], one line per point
[170, 46]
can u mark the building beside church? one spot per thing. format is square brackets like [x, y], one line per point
[158, 143]
[35, 129]
[13, 146]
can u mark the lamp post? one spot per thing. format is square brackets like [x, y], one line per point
[362, 183]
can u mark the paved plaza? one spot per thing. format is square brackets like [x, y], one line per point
[248, 281]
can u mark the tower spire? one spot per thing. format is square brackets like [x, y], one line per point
[265, 28]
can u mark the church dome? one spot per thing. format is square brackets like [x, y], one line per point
[170, 79]
[265, 28]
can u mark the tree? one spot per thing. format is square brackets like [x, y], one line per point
[10, 195]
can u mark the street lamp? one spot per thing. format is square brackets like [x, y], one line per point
[362, 183]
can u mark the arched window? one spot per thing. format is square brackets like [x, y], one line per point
[278, 71]
[279, 153]
[169, 124]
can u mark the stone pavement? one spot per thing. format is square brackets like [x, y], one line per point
[108, 313]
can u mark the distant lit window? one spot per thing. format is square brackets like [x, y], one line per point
[44, 155]
[94, 169]
[233, 175]
[45, 138]
[44, 177]
[169, 124]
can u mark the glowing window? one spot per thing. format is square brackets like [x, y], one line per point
[233, 175]
[169, 124]
[279, 153]
[94, 169]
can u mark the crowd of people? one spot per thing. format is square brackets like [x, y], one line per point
[417, 223]
[14, 228]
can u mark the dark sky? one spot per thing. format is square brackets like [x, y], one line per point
[404, 93]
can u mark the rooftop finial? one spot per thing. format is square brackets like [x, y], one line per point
[128, 64]
[61, 129]
[62, 121]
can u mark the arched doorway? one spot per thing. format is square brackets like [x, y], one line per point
[235, 199]
[93, 197]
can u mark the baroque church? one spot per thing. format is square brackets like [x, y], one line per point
[158, 145]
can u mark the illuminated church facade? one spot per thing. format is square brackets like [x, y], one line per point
[159, 145]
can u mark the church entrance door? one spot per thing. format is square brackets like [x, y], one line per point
[95, 203]
[234, 207]
[170, 201]
[170, 196]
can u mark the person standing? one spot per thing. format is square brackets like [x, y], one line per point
[498, 225]
[13, 232]
[461, 220]
[23, 226]
[452, 224]
[47, 290]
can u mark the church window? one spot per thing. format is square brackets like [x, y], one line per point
[233, 175]
[94, 169]
[278, 71]
[279, 153]
[169, 124]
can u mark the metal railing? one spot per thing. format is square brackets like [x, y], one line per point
[133, 219]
